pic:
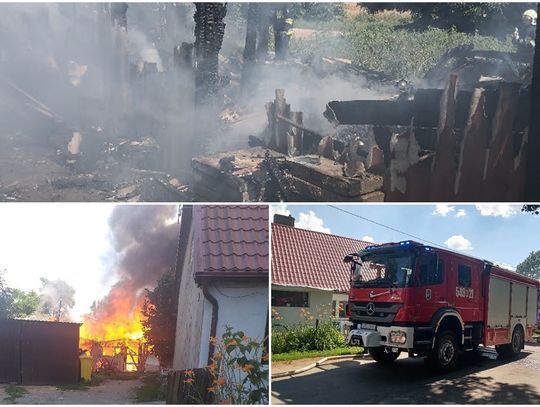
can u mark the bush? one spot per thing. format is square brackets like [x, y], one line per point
[382, 42]
[306, 337]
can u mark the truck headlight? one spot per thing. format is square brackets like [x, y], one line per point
[398, 337]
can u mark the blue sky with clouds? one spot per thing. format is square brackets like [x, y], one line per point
[497, 232]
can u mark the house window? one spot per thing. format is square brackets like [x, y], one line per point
[290, 299]
[464, 276]
[340, 311]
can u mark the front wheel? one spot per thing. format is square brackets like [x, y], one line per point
[444, 355]
[381, 356]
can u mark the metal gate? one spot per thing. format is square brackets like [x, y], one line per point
[39, 352]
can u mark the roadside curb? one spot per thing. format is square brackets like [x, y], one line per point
[317, 364]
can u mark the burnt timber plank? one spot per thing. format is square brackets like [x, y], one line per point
[444, 166]
[499, 173]
[473, 151]
[328, 175]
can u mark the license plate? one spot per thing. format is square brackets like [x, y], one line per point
[372, 327]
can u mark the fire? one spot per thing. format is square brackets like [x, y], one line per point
[113, 334]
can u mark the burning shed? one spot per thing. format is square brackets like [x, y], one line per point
[39, 352]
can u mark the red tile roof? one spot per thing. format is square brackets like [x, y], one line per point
[231, 241]
[305, 258]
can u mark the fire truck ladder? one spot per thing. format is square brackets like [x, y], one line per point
[468, 337]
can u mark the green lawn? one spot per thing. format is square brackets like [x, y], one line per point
[347, 350]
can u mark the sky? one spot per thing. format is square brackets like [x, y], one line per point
[500, 233]
[71, 242]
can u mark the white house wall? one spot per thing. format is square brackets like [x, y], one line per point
[243, 305]
[190, 316]
[320, 306]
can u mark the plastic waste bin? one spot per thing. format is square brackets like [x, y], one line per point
[86, 367]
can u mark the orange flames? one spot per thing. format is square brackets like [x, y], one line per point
[115, 323]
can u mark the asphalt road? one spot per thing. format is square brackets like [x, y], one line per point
[482, 379]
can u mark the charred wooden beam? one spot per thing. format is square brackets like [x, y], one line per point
[424, 109]
[445, 166]
[422, 112]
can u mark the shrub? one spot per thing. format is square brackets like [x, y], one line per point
[306, 337]
[382, 42]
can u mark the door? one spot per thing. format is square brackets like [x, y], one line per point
[10, 367]
[429, 290]
[467, 286]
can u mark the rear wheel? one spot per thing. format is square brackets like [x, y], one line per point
[381, 356]
[444, 355]
[513, 348]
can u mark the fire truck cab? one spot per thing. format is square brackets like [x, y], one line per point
[435, 303]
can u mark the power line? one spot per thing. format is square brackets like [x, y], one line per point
[388, 227]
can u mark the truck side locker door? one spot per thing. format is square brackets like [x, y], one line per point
[468, 289]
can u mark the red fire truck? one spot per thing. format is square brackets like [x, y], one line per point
[431, 302]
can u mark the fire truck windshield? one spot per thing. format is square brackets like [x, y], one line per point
[384, 270]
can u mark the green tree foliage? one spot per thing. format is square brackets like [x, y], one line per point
[5, 298]
[25, 303]
[16, 303]
[530, 267]
[534, 209]
[486, 18]
[159, 323]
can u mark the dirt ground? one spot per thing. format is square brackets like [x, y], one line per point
[109, 392]
[480, 379]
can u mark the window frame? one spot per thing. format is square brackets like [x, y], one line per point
[464, 268]
[305, 302]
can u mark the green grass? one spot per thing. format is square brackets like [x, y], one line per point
[151, 390]
[81, 386]
[382, 42]
[13, 393]
[347, 350]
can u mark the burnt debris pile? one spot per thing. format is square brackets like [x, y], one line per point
[169, 102]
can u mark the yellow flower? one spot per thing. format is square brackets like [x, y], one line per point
[211, 389]
[217, 356]
[213, 340]
[220, 381]
[226, 401]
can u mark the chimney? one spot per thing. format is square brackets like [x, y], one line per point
[283, 220]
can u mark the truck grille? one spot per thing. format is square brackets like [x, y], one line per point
[379, 312]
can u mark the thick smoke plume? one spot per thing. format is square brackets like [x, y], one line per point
[145, 239]
[56, 299]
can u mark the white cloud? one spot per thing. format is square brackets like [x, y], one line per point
[506, 266]
[311, 221]
[279, 208]
[458, 242]
[461, 213]
[503, 210]
[443, 209]
[369, 239]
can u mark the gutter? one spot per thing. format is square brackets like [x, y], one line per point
[213, 325]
